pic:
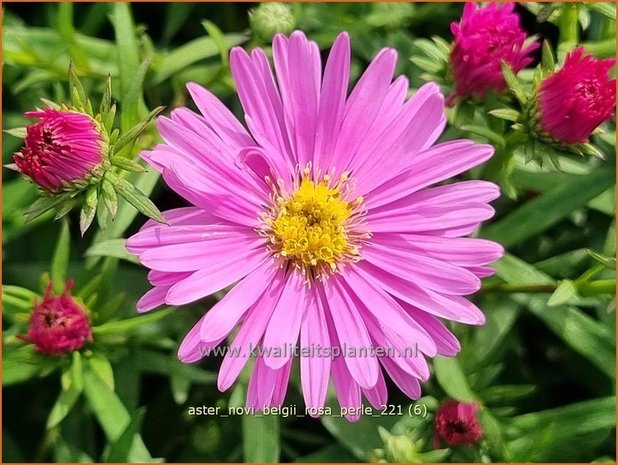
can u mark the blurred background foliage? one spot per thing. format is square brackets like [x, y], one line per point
[543, 367]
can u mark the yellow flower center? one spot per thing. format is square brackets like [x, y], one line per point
[311, 227]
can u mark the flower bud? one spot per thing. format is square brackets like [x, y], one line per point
[63, 150]
[483, 39]
[456, 424]
[58, 324]
[573, 101]
[269, 19]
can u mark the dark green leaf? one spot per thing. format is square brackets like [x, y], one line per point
[261, 438]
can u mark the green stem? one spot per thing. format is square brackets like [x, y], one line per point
[605, 286]
[569, 24]
[602, 49]
[587, 288]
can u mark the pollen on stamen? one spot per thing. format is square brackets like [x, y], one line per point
[315, 228]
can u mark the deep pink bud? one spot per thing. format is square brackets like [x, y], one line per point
[62, 149]
[456, 424]
[58, 324]
[483, 38]
[573, 101]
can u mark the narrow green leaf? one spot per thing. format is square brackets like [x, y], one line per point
[42, 205]
[513, 83]
[219, 39]
[547, 59]
[128, 63]
[110, 199]
[69, 395]
[261, 438]
[60, 259]
[505, 113]
[547, 209]
[138, 199]
[130, 135]
[565, 291]
[89, 209]
[111, 248]
[119, 450]
[592, 416]
[106, 100]
[579, 331]
[128, 165]
[111, 414]
[606, 9]
[609, 262]
[427, 64]
[130, 324]
[190, 53]
[484, 132]
[78, 94]
[16, 132]
[100, 365]
[452, 379]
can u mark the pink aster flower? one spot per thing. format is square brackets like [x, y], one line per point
[62, 149]
[484, 38]
[576, 99]
[322, 215]
[456, 424]
[58, 324]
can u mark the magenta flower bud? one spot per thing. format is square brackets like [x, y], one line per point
[573, 101]
[483, 39]
[62, 150]
[58, 324]
[456, 424]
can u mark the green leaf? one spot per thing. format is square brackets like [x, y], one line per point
[606, 9]
[427, 64]
[219, 39]
[513, 83]
[69, 394]
[43, 205]
[100, 365]
[550, 207]
[111, 248]
[130, 135]
[106, 100]
[609, 262]
[78, 94]
[547, 58]
[127, 165]
[592, 416]
[89, 209]
[60, 259]
[119, 450]
[15, 372]
[110, 199]
[111, 414]
[505, 113]
[260, 438]
[565, 291]
[507, 393]
[484, 132]
[452, 379]
[138, 199]
[190, 53]
[16, 132]
[128, 63]
[131, 324]
[579, 331]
